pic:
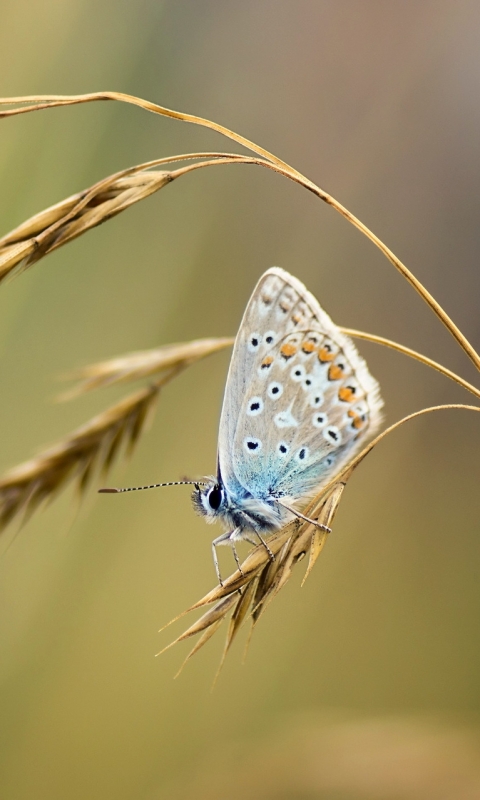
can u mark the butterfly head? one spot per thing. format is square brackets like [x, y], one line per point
[209, 499]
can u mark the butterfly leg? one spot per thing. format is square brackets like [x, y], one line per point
[225, 538]
[306, 519]
[263, 542]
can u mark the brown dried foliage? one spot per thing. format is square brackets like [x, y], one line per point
[249, 591]
[96, 444]
[63, 222]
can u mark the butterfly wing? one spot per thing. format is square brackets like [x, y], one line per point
[299, 399]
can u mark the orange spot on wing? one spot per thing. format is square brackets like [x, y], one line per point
[288, 350]
[267, 362]
[335, 373]
[324, 354]
[308, 347]
[347, 394]
[357, 420]
[296, 318]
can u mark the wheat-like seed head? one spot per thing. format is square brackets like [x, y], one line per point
[92, 446]
[59, 224]
[167, 361]
[95, 445]
[250, 590]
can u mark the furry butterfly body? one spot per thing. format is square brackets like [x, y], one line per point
[299, 401]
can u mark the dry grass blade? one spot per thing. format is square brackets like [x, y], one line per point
[166, 360]
[238, 615]
[65, 221]
[96, 444]
[39, 102]
[204, 638]
[400, 348]
[260, 579]
[326, 517]
[93, 446]
[211, 617]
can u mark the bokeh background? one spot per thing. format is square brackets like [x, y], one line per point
[365, 683]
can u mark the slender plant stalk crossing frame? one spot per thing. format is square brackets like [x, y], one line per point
[98, 442]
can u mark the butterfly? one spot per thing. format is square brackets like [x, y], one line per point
[299, 402]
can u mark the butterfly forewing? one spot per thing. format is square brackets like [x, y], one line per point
[299, 399]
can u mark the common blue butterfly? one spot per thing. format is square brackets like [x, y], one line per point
[299, 401]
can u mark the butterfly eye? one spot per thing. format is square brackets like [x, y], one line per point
[215, 497]
[254, 342]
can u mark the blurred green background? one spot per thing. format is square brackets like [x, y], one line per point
[365, 683]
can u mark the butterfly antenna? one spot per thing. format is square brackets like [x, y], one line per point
[197, 484]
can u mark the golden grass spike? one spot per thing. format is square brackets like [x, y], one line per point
[326, 515]
[217, 613]
[38, 102]
[204, 638]
[134, 366]
[251, 567]
[65, 221]
[25, 487]
[239, 613]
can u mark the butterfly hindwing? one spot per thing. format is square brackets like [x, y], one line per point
[299, 399]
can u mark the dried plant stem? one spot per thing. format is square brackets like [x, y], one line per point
[369, 447]
[94, 445]
[250, 590]
[65, 221]
[144, 364]
[38, 102]
[138, 365]
[429, 362]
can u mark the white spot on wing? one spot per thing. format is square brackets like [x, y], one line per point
[302, 455]
[254, 342]
[252, 445]
[270, 338]
[298, 373]
[316, 400]
[254, 406]
[275, 390]
[332, 435]
[285, 419]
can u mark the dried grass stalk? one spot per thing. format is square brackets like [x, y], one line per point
[93, 446]
[250, 590]
[96, 444]
[27, 104]
[166, 360]
[63, 222]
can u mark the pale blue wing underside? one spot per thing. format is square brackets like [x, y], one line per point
[299, 400]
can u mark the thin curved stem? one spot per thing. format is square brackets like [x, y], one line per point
[366, 450]
[38, 102]
[429, 362]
